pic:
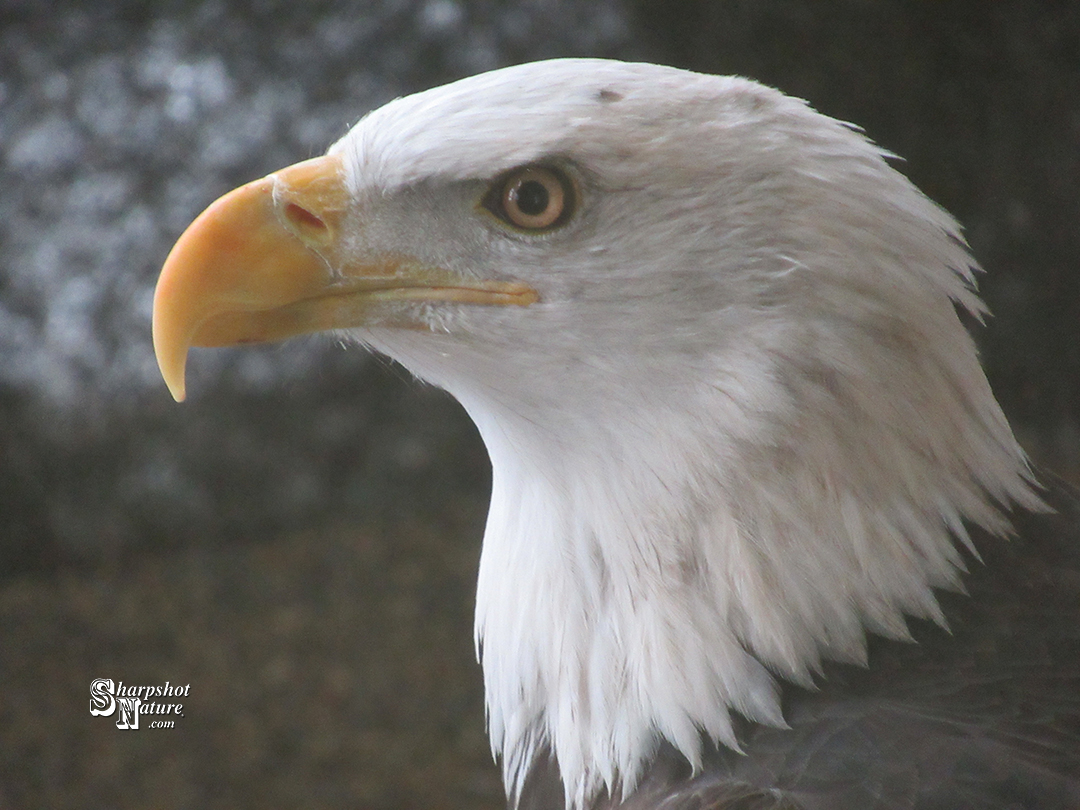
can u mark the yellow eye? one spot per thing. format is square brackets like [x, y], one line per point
[534, 198]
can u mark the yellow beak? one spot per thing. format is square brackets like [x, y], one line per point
[266, 262]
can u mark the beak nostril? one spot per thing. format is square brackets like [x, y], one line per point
[303, 220]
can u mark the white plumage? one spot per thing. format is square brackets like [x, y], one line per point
[741, 426]
[742, 423]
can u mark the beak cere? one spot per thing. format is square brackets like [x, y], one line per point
[264, 262]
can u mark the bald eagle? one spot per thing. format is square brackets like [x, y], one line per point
[759, 536]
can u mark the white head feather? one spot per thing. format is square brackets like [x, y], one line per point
[743, 424]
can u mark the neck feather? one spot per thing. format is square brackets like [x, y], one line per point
[646, 574]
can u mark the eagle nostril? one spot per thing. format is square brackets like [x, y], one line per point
[305, 222]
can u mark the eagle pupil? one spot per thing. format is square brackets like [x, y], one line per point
[532, 198]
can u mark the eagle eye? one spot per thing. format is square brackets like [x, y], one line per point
[532, 198]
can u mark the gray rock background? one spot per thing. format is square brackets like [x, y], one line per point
[299, 540]
[119, 122]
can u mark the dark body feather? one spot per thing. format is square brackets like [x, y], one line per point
[984, 717]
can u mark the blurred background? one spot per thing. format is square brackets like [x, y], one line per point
[298, 542]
